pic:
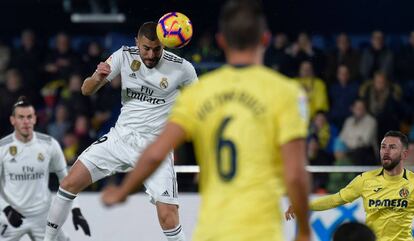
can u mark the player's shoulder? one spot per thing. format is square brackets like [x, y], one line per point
[133, 50]
[44, 137]
[262, 76]
[278, 80]
[6, 140]
[372, 173]
[408, 174]
[172, 58]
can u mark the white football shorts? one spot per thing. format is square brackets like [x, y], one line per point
[34, 226]
[119, 150]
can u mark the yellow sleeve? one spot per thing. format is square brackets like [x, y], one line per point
[346, 195]
[293, 118]
[183, 113]
[353, 190]
[326, 202]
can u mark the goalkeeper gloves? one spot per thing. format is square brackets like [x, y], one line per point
[79, 220]
[14, 217]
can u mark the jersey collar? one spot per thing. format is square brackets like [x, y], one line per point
[24, 143]
[240, 66]
[382, 173]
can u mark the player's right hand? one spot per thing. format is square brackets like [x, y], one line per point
[14, 217]
[112, 195]
[289, 214]
[103, 70]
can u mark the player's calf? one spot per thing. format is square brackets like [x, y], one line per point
[169, 221]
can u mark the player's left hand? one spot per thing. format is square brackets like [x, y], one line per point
[112, 195]
[79, 220]
[289, 214]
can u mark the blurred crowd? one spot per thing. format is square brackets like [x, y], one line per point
[356, 92]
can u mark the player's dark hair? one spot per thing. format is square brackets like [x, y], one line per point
[22, 101]
[403, 138]
[353, 231]
[242, 22]
[149, 30]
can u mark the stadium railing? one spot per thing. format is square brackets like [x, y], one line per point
[312, 169]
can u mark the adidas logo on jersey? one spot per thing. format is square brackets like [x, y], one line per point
[165, 194]
[133, 75]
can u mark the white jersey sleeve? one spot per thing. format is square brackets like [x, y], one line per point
[115, 62]
[57, 158]
[190, 75]
[3, 202]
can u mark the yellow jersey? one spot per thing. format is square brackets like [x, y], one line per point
[388, 202]
[237, 118]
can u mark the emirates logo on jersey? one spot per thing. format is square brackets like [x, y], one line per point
[164, 83]
[13, 150]
[404, 192]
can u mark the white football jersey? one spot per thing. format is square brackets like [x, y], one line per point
[148, 93]
[24, 172]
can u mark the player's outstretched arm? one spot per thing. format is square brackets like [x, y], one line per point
[97, 80]
[172, 136]
[319, 204]
[297, 183]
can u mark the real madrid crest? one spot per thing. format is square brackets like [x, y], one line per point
[164, 83]
[135, 65]
[40, 157]
[13, 150]
[404, 192]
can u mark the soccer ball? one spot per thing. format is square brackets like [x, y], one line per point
[174, 30]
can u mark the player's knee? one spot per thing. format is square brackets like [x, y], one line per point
[168, 217]
[70, 184]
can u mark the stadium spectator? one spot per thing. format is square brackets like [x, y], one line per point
[72, 97]
[276, 56]
[5, 55]
[83, 132]
[60, 124]
[314, 87]
[205, 49]
[343, 55]
[342, 94]
[9, 93]
[383, 101]
[61, 60]
[321, 139]
[359, 135]
[376, 57]
[27, 59]
[107, 106]
[92, 57]
[404, 60]
[71, 147]
[303, 50]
